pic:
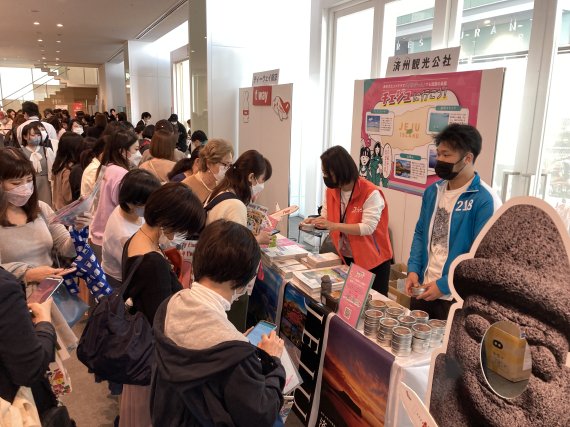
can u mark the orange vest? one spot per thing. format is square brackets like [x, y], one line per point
[368, 251]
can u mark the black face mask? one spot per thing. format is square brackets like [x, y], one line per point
[329, 182]
[445, 169]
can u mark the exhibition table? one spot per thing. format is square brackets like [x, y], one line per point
[267, 303]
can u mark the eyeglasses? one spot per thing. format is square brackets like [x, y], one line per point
[226, 165]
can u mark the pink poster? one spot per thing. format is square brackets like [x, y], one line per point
[354, 294]
[401, 116]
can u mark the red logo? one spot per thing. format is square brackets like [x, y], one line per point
[262, 96]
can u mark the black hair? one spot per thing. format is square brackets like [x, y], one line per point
[145, 115]
[148, 131]
[173, 117]
[69, 148]
[122, 116]
[365, 151]
[30, 108]
[139, 128]
[92, 148]
[175, 208]
[26, 130]
[181, 166]
[73, 121]
[136, 187]
[336, 161]
[112, 109]
[164, 125]
[377, 145]
[199, 135]
[14, 164]
[54, 121]
[116, 147]
[462, 138]
[221, 262]
[236, 178]
[10, 110]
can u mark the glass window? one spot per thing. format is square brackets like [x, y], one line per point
[491, 38]
[16, 83]
[352, 61]
[555, 160]
[182, 89]
[413, 32]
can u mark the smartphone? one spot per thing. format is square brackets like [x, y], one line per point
[274, 232]
[45, 289]
[262, 328]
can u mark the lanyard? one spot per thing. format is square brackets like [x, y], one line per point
[343, 216]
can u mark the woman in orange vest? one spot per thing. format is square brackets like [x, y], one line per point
[356, 214]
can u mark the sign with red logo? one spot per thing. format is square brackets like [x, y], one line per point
[262, 96]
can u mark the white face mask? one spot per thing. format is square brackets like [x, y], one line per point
[257, 188]
[136, 158]
[139, 210]
[44, 135]
[19, 196]
[34, 141]
[247, 289]
[78, 130]
[221, 173]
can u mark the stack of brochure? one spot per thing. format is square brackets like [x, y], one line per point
[287, 267]
[328, 259]
[279, 253]
[310, 281]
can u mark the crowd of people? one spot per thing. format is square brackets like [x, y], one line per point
[158, 183]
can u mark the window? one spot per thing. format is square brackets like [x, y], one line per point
[491, 39]
[413, 32]
[555, 162]
[182, 89]
[352, 61]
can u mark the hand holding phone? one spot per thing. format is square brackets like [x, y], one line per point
[45, 289]
[262, 328]
[272, 344]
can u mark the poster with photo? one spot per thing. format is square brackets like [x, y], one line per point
[355, 383]
[264, 300]
[401, 116]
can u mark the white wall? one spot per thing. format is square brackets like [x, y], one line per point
[259, 35]
[114, 85]
[150, 80]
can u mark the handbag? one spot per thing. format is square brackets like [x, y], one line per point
[22, 412]
[116, 345]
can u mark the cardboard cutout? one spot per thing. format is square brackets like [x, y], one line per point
[518, 270]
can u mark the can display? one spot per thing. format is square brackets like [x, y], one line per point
[437, 332]
[371, 321]
[406, 321]
[420, 316]
[384, 336]
[394, 312]
[401, 341]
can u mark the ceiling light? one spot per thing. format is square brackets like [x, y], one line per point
[56, 64]
[36, 23]
[43, 57]
[487, 21]
[60, 25]
[40, 40]
[57, 59]
[58, 41]
[57, 51]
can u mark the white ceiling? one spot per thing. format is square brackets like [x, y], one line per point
[92, 32]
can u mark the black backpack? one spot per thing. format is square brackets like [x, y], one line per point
[116, 345]
[219, 199]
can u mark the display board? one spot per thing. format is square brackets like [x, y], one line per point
[265, 115]
[394, 122]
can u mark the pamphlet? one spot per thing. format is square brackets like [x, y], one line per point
[292, 377]
[354, 294]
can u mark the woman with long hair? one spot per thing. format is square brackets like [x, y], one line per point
[66, 158]
[41, 157]
[114, 166]
[26, 237]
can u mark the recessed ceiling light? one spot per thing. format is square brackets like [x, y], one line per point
[40, 40]
[42, 50]
[56, 64]
[43, 57]
[57, 59]
[487, 21]
[36, 23]
[57, 51]
[60, 25]
[58, 41]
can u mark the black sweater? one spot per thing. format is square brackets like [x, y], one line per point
[25, 350]
[230, 384]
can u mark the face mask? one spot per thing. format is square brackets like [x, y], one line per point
[173, 123]
[139, 210]
[44, 135]
[247, 289]
[445, 169]
[136, 157]
[35, 140]
[329, 182]
[78, 130]
[20, 195]
[257, 188]
[221, 173]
